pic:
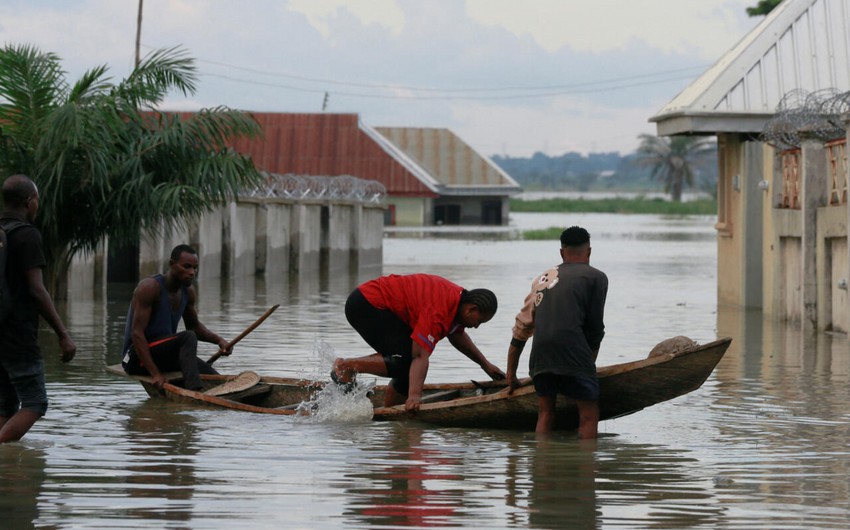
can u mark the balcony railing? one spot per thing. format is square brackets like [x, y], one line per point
[836, 153]
[790, 179]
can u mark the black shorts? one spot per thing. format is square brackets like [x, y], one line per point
[386, 333]
[579, 387]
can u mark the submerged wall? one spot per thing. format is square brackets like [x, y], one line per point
[270, 236]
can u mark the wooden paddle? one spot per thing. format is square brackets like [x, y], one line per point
[242, 335]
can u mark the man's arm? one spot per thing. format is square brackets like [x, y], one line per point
[145, 298]
[35, 283]
[418, 372]
[463, 343]
[190, 319]
[523, 329]
[514, 353]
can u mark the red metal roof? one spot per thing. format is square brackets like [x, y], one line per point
[329, 145]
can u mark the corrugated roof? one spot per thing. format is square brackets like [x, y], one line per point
[331, 145]
[800, 45]
[450, 160]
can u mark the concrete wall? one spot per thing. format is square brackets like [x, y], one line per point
[206, 237]
[274, 237]
[336, 239]
[729, 219]
[411, 211]
[305, 240]
[154, 252]
[794, 264]
[278, 230]
[239, 236]
[832, 268]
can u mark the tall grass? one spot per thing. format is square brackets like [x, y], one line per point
[639, 205]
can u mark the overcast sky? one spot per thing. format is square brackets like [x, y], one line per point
[511, 77]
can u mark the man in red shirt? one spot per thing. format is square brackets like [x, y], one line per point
[403, 318]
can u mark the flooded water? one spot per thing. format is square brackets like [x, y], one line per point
[763, 444]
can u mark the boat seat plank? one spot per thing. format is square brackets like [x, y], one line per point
[445, 395]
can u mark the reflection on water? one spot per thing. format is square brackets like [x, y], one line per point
[23, 472]
[763, 444]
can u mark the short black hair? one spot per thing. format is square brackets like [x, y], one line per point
[17, 189]
[180, 249]
[574, 236]
[484, 299]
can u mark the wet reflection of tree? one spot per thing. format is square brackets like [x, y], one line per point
[416, 487]
[21, 484]
[160, 463]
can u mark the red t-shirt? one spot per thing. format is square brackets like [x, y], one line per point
[426, 303]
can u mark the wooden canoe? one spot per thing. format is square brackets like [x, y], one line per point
[625, 388]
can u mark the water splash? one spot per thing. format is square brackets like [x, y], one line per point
[333, 403]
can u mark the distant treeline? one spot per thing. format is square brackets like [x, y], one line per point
[594, 172]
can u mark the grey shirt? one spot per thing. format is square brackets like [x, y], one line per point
[565, 313]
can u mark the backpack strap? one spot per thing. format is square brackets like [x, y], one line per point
[8, 224]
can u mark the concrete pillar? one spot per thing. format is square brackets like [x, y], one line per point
[261, 231]
[337, 219]
[815, 188]
[845, 273]
[367, 237]
[278, 229]
[238, 239]
[206, 238]
[752, 227]
[305, 238]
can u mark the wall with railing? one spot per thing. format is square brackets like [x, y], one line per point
[304, 225]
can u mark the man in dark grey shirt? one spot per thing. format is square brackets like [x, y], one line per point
[564, 311]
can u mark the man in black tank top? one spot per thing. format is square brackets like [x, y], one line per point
[152, 344]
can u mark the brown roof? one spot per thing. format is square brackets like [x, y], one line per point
[331, 145]
[448, 158]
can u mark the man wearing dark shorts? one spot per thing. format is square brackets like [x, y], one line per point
[564, 311]
[403, 318]
[23, 395]
[152, 344]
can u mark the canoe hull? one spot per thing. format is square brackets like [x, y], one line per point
[624, 389]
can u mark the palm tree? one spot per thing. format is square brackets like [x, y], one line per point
[763, 7]
[674, 160]
[107, 164]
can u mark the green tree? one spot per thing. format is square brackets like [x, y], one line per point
[673, 160]
[763, 7]
[107, 164]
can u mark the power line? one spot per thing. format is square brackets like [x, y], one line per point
[588, 90]
[391, 91]
[466, 89]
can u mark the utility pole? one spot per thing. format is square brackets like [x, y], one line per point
[325, 102]
[138, 33]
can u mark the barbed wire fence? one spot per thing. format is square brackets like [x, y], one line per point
[800, 113]
[314, 187]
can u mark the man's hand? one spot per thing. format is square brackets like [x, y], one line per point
[67, 347]
[224, 347]
[412, 404]
[513, 382]
[495, 373]
[159, 381]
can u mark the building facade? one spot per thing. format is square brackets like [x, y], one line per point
[778, 103]
[431, 176]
